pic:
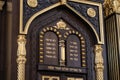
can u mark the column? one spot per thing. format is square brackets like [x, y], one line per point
[98, 62]
[62, 52]
[21, 57]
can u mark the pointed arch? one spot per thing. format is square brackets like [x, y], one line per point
[25, 31]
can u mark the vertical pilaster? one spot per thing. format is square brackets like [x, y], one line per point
[21, 57]
[99, 68]
[62, 50]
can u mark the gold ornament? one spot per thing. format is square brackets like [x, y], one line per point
[111, 6]
[99, 68]
[61, 25]
[21, 57]
[91, 12]
[32, 3]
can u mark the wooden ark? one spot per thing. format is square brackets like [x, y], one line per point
[58, 40]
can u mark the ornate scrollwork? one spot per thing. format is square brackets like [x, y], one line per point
[61, 25]
[21, 57]
[111, 6]
[99, 62]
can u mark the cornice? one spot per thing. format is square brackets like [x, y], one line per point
[111, 6]
[1, 4]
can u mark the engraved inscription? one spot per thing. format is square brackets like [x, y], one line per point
[64, 69]
[50, 48]
[73, 51]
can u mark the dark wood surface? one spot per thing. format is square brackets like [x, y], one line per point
[49, 19]
[3, 29]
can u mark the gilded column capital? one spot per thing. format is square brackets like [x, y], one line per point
[111, 6]
[21, 45]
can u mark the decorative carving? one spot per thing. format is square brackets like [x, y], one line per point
[111, 6]
[21, 57]
[91, 12]
[99, 62]
[61, 25]
[63, 1]
[32, 3]
[62, 50]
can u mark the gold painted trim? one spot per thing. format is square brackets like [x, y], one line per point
[63, 2]
[85, 21]
[21, 57]
[33, 17]
[99, 62]
[1, 5]
[101, 41]
[21, 18]
[101, 24]
[86, 2]
[50, 77]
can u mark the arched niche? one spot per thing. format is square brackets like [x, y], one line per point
[49, 19]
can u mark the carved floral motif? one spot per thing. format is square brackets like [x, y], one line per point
[111, 6]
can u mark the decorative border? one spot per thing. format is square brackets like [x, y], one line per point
[33, 17]
[100, 41]
[44, 30]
